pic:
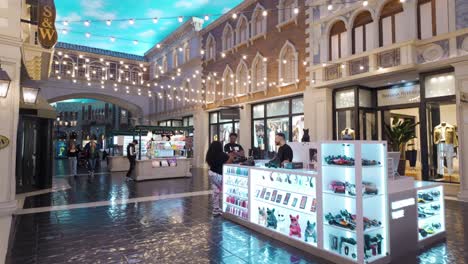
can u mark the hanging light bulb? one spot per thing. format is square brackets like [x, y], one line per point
[64, 31]
[202, 52]
[234, 16]
[87, 23]
[330, 7]
[108, 22]
[181, 19]
[135, 42]
[155, 20]
[207, 18]
[158, 46]
[88, 35]
[112, 39]
[265, 13]
[296, 10]
[65, 23]
[365, 3]
[131, 21]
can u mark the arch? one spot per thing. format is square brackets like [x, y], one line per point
[210, 47]
[391, 23]
[288, 64]
[136, 110]
[286, 10]
[337, 40]
[242, 29]
[228, 37]
[361, 34]
[210, 88]
[242, 79]
[259, 74]
[228, 83]
[258, 21]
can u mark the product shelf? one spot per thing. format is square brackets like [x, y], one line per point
[368, 230]
[234, 185]
[236, 206]
[365, 196]
[302, 211]
[282, 190]
[236, 175]
[236, 195]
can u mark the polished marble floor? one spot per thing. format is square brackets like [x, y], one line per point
[175, 230]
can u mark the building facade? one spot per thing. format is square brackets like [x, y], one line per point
[254, 61]
[176, 75]
[373, 63]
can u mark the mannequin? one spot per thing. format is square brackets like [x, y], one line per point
[348, 134]
[445, 137]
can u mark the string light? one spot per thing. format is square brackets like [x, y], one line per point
[265, 13]
[88, 35]
[131, 21]
[181, 19]
[155, 20]
[108, 22]
[87, 23]
[296, 10]
[65, 23]
[207, 18]
[234, 16]
[365, 3]
[330, 7]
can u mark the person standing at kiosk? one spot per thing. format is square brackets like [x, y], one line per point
[285, 152]
[234, 148]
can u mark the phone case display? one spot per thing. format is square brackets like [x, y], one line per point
[431, 219]
[168, 149]
[354, 199]
[236, 191]
[285, 201]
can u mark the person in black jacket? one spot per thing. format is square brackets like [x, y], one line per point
[131, 155]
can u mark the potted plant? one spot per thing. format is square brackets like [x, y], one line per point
[398, 134]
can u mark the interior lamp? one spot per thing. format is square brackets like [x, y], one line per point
[4, 83]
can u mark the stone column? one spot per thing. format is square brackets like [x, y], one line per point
[200, 137]
[318, 113]
[461, 82]
[245, 125]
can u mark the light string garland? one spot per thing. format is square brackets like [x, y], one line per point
[180, 18]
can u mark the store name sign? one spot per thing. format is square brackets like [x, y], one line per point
[407, 94]
[4, 142]
[403, 203]
[46, 23]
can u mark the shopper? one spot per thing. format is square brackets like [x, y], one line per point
[233, 147]
[285, 153]
[92, 154]
[216, 158]
[73, 158]
[131, 155]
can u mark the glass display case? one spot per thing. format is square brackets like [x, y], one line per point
[236, 191]
[165, 149]
[431, 216]
[285, 201]
[354, 187]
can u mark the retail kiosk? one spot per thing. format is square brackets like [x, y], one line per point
[342, 211]
[162, 152]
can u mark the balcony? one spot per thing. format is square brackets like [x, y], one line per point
[399, 57]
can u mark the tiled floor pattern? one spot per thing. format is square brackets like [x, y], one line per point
[179, 230]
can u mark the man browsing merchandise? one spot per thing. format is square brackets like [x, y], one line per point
[285, 153]
[233, 147]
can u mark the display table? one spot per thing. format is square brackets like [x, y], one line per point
[117, 163]
[342, 211]
[146, 169]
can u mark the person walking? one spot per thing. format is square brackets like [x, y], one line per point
[131, 155]
[92, 154]
[73, 158]
[216, 158]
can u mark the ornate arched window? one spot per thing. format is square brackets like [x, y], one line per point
[362, 34]
[210, 48]
[242, 30]
[286, 10]
[433, 18]
[338, 40]
[228, 37]
[242, 79]
[259, 74]
[391, 23]
[210, 95]
[228, 83]
[288, 64]
[259, 22]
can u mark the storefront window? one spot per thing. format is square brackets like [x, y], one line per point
[440, 85]
[278, 108]
[345, 125]
[365, 98]
[344, 99]
[259, 111]
[285, 116]
[221, 128]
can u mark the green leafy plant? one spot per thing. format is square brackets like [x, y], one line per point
[399, 133]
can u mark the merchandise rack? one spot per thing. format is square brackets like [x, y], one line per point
[372, 206]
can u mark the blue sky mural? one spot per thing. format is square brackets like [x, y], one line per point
[146, 32]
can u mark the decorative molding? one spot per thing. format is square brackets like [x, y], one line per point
[7, 208]
[432, 52]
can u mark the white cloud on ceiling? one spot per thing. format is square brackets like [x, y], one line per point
[147, 34]
[154, 13]
[190, 3]
[96, 9]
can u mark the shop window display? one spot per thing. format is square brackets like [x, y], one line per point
[221, 128]
[285, 116]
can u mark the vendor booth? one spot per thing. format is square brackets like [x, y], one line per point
[343, 205]
[162, 152]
